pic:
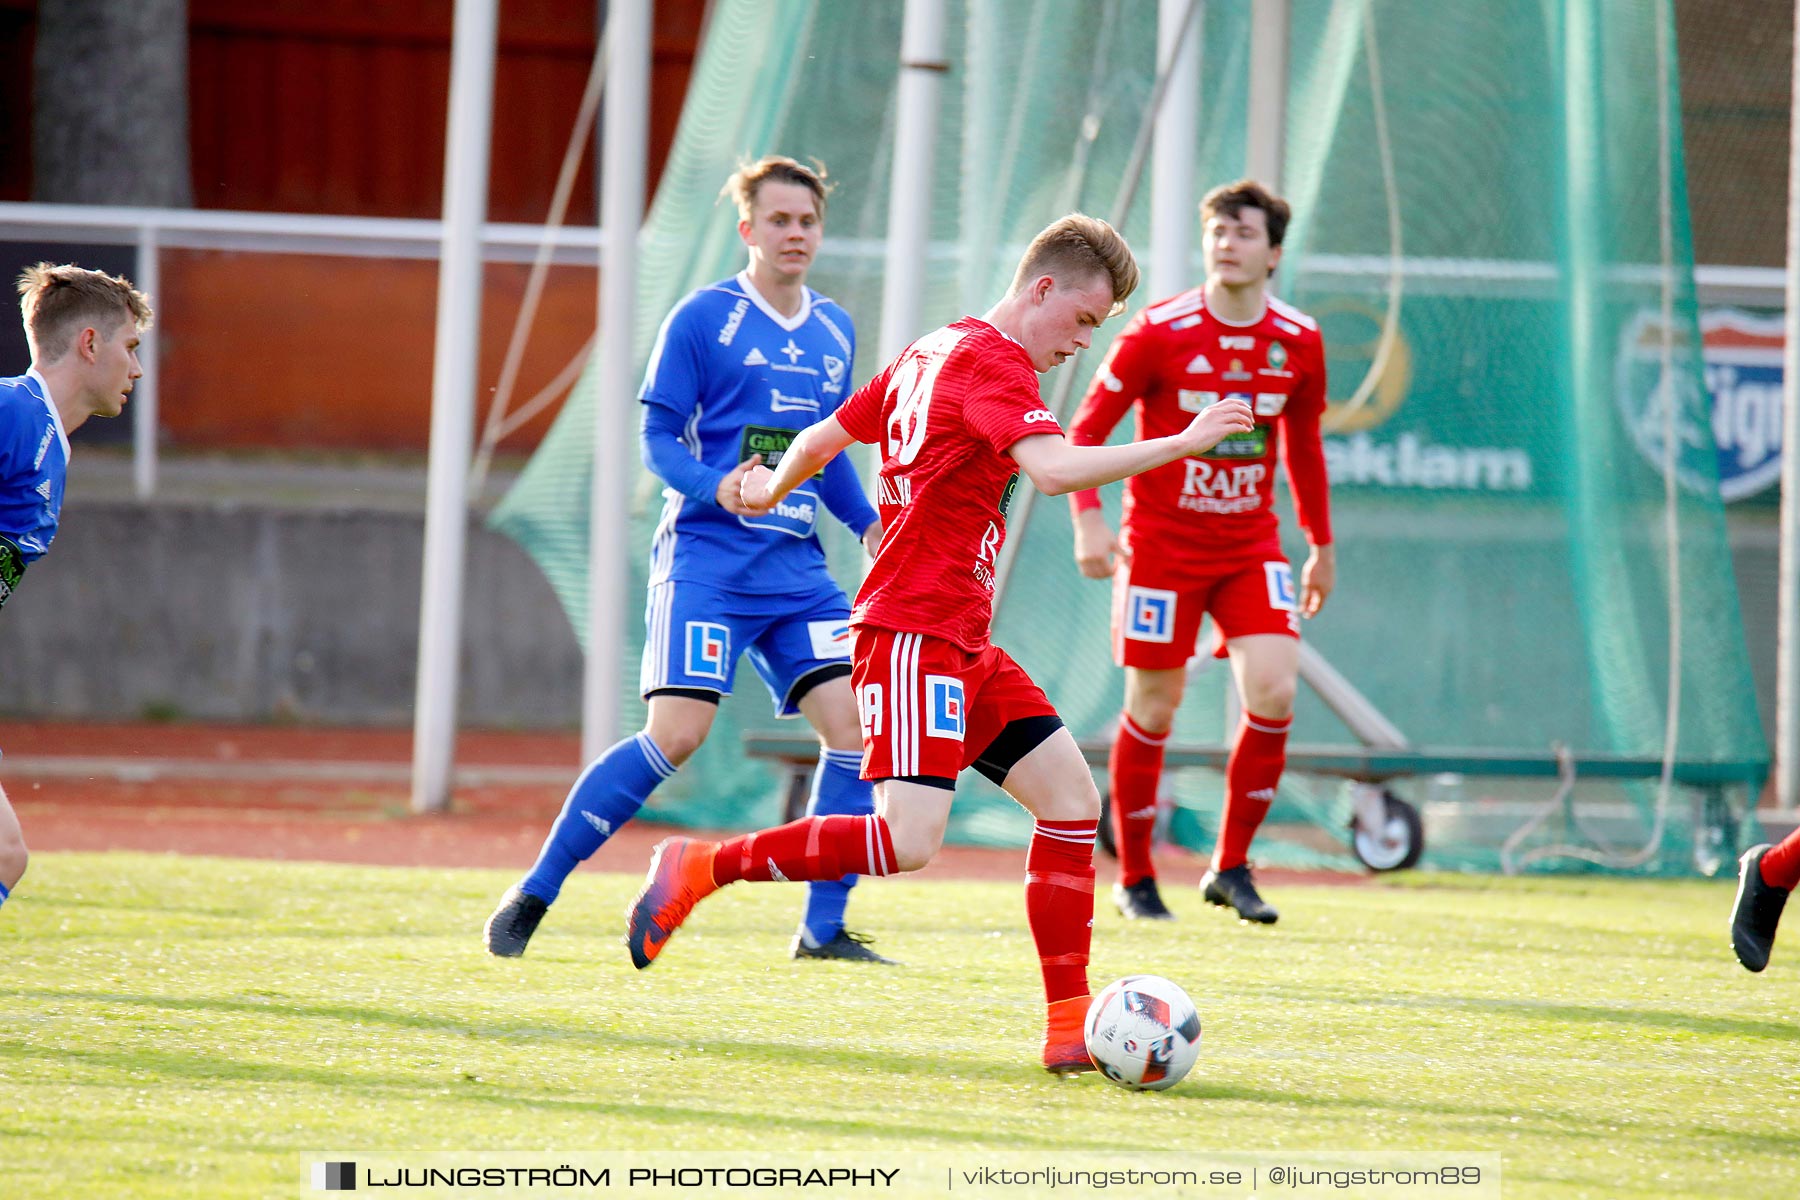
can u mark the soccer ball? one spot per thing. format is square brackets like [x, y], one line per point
[1143, 1033]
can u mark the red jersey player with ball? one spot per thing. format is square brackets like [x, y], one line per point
[1200, 536]
[957, 416]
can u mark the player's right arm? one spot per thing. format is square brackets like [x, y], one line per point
[760, 488]
[1056, 466]
[674, 386]
[858, 419]
[1123, 375]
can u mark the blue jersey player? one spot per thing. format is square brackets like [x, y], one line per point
[739, 368]
[83, 328]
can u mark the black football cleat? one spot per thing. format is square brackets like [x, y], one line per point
[1236, 889]
[845, 947]
[1757, 911]
[1141, 901]
[513, 923]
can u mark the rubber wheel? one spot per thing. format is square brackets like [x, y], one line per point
[1395, 847]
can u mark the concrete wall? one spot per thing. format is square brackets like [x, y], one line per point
[230, 611]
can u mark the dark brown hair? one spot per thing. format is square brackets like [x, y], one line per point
[1230, 199]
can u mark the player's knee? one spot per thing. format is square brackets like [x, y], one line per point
[914, 854]
[915, 845]
[677, 742]
[1151, 712]
[1271, 697]
[842, 733]
[1082, 802]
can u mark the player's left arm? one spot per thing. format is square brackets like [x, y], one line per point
[806, 456]
[1303, 452]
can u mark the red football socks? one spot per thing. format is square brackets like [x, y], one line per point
[808, 849]
[1781, 863]
[1059, 903]
[1251, 773]
[1132, 772]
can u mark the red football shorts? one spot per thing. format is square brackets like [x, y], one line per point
[929, 707]
[1155, 626]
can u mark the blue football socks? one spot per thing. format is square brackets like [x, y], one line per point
[838, 790]
[608, 794]
[4, 893]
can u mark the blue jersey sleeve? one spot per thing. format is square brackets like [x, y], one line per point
[667, 456]
[674, 381]
[675, 376]
[840, 488]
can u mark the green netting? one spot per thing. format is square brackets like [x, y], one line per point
[1491, 225]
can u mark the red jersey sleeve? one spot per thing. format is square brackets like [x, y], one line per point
[1002, 404]
[1303, 450]
[1126, 373]
[860, 415]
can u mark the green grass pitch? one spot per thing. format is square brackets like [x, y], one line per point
[181, 1026]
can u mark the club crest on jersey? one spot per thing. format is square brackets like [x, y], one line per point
[755, 358]
[830, 639]
[1149, 614]
[944, 707]
[1278, 356]
[1198, 365]
[708, 648]
[781, 402]
[834, 374]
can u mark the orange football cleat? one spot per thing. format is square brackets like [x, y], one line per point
[680, 877]
[1065, 1046]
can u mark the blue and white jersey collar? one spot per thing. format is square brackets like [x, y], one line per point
[788, 324]
[43, 390]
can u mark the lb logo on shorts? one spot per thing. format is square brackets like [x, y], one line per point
[1149, 614]
[708, 648]
[830, 639]
[1280, 578]
[944, 707]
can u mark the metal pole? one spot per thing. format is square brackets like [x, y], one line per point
[1266, 148]
[626, 136]
[143, 395]
[1172, 216]
[1787, 640]
[454, 365]
[922, 69]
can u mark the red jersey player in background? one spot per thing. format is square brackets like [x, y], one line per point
[957, 416]
[1199, 535]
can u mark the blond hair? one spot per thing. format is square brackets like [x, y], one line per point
[58, 301]
[1076, 249]
[748, 179]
